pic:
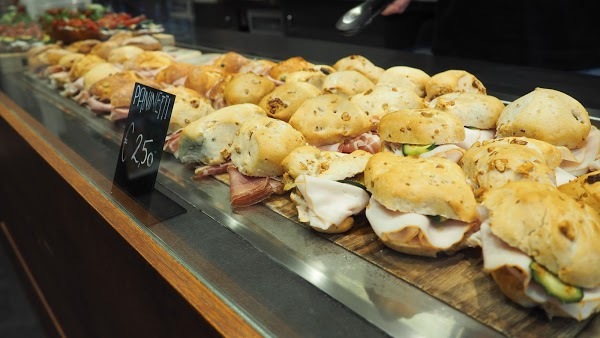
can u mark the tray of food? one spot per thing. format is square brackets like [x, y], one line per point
[486, 206]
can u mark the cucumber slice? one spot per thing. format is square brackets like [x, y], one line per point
[554, 286]
[354, 183]
[416, 149]
[438, 218]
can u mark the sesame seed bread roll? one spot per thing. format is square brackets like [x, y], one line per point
[247, 88]
[283, 101]
[382, 100]
[475, 110]
[261, 144]
[452, 81]
[329, 119]
[402, 76]
[360, 64]
[547, 115]
[421, 126]
[550, 226]
[209, 139]
[346, 82]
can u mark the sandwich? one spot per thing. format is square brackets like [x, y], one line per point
[280, 71]
[257, 66]
[315, 76]
[408, 77]
[346, 82]
[59, 75]
[541, 248]
[121, 55]
[208, 80]
[585, 189]
[208, 140]
[258, 149]
[230, 62]
[247, 88]
[120, 100]
[360, 64]
[82, 46]
[452, 81]
[98, 72]
[327, 187]
[104, 48]
[420, 206]
[491, 164]
[145, 42]
[283, 101]
[423, 132]
[332, 122]
[188, 107]
[381, 100]
[148, 63]
[101, 91]
[174, 74]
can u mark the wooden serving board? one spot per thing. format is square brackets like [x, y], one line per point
[457, 280]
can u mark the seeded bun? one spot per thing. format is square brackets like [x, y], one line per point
[473, 109]
[429, 186]
[452, 81]
[421, 126]
[82, 46]
[547, 115]
[585, 189]
[83, 65]
[492, 164]
[283, 101]
[555, 230]
[402, 76]
[280, 70]
[346, 82]
[121, 97]
[382, 100]
[174, 72]
[104, 88]
[123, 54]
[99, 72]
[203, 78]
[209, 139]
[230, 62]
[102, 49]
[254, 153]
[247, 88]
[149, 60]
[259, 67]
[329, 119]
[360, 64]
[314, 77]
[188, 107]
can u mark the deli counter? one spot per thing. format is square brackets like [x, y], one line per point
[98, 267]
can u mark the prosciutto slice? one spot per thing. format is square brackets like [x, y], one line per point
[209, 170]
[368, 142]
[246, 191]
[118, 113]
[98, 107]
[172, 142]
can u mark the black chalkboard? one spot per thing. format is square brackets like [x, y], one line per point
[141, 150]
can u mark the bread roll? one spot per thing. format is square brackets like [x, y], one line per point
[203, 78]
[209, 139]
[313, 76]
[145, 42]
[346, 82]
[547, 115]
[261, 144]
[123, 54]
[452, 81]
[550, 226]
[230, 62]
[585, 189]
[421, 126]
[102, 49]
[428, 186]
[82, 46]
[408, 77]
[329, 119]
[283, 101]
[360, 64]
[99, 72]
[280, 70]
[258, 67]
[83, 65]
[382, 100]
[104, 88]
[473, 109]
[188, 107]
[247, 88]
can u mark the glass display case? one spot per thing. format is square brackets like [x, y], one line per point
[252, 271]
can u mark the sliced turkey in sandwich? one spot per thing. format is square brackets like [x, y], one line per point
[420, 206]
[328, 187]
[541, 248]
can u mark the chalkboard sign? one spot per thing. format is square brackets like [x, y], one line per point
[140, 153]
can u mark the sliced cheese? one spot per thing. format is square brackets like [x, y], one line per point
[451, 152]
[441, 235]
[579, 161]
[562, 176]
[476, 135]
[326, 203]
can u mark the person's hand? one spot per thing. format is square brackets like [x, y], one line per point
[396, 7]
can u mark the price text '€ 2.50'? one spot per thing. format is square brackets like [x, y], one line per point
[144, 101]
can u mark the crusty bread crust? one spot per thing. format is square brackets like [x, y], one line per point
[473, 109]
[82, 65]
[429, 186]
[104, 88]
[283, 101]
[360, 64]
[280, 70]
[189, 106]
[585, 189]
[452, 81]
[402, 76]
[382, 100]
[261, 144]
[204, 77]
[247, 88]
[149, 60]
[421, 126]
[550, 226]
[329, 119]
[547, 115]
[494, 163]
[346, 82]
[174, 72]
